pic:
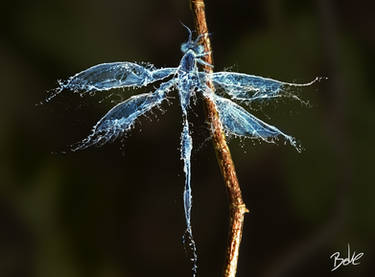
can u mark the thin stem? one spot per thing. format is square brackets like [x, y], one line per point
[237, 208]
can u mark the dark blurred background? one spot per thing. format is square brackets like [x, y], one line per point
[117, 210]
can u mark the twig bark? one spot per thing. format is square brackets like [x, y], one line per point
[237, 208]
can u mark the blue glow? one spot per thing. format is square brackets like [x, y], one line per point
[188, 81]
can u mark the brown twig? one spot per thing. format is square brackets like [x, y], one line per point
[237, 208]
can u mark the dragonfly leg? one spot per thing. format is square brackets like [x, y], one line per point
[200, 36]
[204, 63]
[203, 54]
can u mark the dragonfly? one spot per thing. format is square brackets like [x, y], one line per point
[189, 81]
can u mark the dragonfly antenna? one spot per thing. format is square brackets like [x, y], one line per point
[190, 33]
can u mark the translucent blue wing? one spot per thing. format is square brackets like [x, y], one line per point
[246, 87]
[121, 118]
[236, 120]
[108, 76]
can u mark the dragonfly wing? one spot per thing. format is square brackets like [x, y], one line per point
[107, 76]
[121, 118]
[236, 120]
[246, 87]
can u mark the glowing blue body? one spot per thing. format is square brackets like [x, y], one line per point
[187, 80]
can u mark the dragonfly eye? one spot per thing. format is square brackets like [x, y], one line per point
[185, 47]
[199, 49]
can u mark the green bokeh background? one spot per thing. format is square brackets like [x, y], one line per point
[117, 210]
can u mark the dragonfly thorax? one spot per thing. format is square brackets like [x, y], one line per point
[188, 62]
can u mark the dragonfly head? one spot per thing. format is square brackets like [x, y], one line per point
[192, 44]
[197, 49]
